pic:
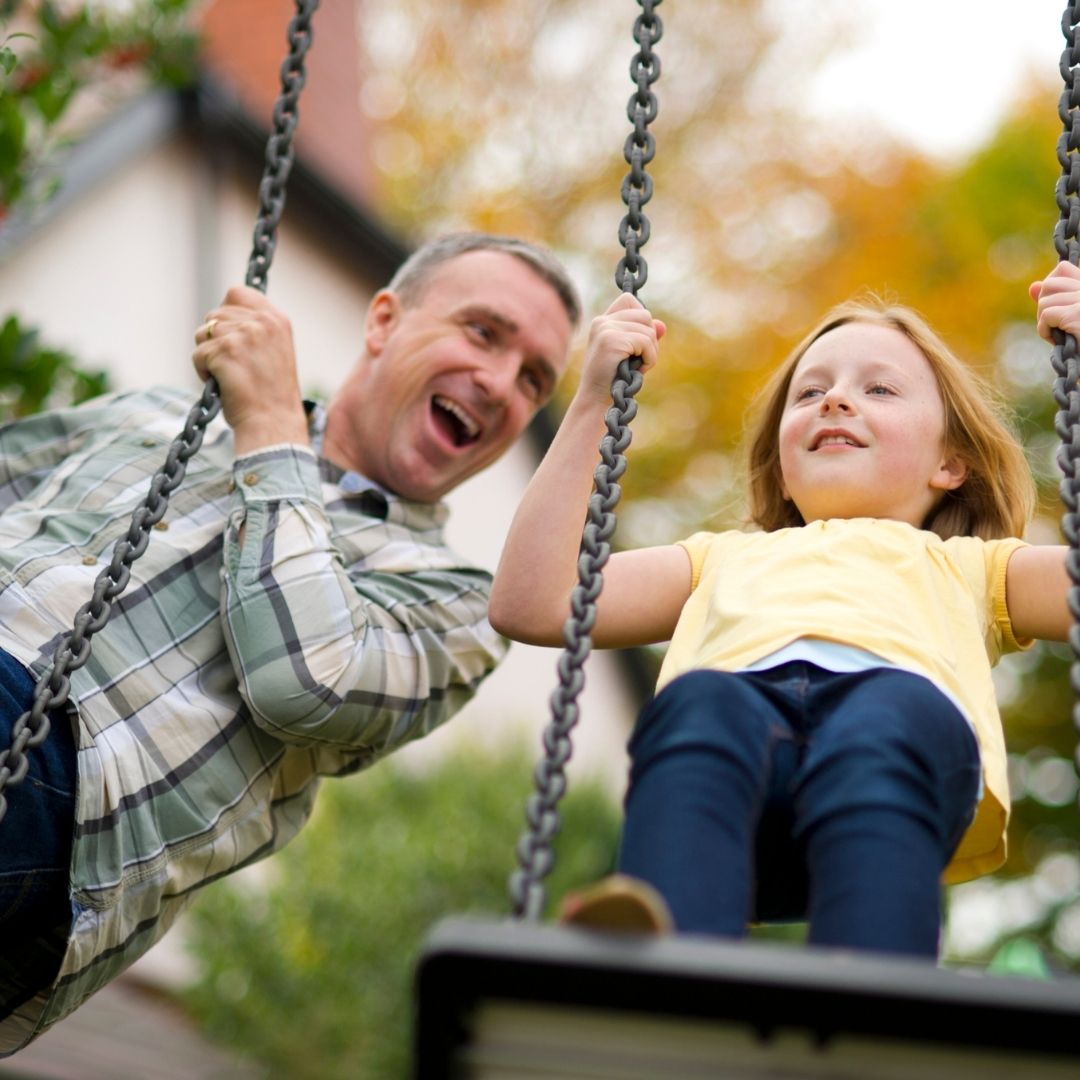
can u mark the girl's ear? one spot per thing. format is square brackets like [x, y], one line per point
[951, 473]
[383, 314]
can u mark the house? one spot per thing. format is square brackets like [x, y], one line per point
[153, 221]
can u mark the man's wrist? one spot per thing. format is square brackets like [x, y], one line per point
[250, 438]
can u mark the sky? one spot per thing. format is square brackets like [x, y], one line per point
[941, 72]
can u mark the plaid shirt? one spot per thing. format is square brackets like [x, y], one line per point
[230, 678]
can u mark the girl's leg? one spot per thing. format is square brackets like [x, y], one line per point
[887, 788]
[700, 757]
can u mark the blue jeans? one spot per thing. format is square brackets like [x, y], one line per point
[35, 848]
[798, 792]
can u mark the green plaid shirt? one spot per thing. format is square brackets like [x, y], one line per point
[230, 678]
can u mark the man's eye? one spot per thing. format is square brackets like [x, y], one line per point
[534, 384]
[480, 330]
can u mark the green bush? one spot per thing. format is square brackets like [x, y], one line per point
[34, 376]
[312, 972]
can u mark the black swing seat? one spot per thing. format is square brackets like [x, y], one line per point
[518, 1000]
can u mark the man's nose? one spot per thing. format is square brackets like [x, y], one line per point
[497, 379]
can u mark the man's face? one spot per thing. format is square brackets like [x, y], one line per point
[448, 383]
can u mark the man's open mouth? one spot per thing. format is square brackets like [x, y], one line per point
[458, 426]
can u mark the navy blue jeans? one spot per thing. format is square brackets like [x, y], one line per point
[801, 793]
[35, 848]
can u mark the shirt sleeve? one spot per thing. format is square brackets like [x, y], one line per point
[697, 547]
[352, 658]
[1002, 638]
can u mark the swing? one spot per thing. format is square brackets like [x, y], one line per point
[52, 688]
[520, 999]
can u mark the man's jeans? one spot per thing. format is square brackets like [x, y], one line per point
[798, 792]
[35, 848]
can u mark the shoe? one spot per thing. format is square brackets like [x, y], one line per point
[619, 903]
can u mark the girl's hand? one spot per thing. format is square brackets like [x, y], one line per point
[1057, 298]
[625, 329]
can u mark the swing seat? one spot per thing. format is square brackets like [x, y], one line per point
[509, 999]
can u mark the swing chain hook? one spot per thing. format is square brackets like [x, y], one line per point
[534, 850]
[53, 686]
[1064, 357]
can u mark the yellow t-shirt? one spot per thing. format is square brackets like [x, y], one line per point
[935, 607]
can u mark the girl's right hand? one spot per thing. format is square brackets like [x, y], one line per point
[1057, 298]
[625, 329]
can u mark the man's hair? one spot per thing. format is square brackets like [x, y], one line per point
[413, 276]
[997, 497]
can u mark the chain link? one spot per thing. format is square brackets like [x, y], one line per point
[51, 690]
[1064, 358]
[534, 850]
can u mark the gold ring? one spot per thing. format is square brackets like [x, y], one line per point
[211, 323]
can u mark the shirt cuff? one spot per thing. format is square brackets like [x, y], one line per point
[287, 471]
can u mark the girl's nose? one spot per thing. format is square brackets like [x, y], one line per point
[835, 400]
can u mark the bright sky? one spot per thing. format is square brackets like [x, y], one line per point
[940, 72]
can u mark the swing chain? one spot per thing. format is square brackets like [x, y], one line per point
[534, 850]
[1064, 357]
[279, 149]
[639, 150]
[52, 688]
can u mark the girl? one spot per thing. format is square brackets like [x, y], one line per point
[824, 741]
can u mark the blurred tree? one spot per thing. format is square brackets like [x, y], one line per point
[761, 220]
[308, 965]
[55, 59]
[53, 56]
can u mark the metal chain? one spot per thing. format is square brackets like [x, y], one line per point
[51, 690]
[1064, 358]
[534, 850]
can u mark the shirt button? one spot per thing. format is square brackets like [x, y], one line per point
[89, 560]
[251, 478]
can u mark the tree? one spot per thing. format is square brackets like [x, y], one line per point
[54, 57]
[761, 221]
[309, 967]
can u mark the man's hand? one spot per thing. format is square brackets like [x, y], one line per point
[246, 344]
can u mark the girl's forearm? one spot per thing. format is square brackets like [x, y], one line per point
[538, 568]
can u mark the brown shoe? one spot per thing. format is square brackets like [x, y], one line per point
[618, 903]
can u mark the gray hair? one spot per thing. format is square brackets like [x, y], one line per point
[413, 275]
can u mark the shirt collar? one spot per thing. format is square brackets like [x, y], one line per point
[373, 496]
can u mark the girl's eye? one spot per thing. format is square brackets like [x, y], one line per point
[881, 389]
[807, 392]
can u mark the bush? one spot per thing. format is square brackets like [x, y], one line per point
[312, 974]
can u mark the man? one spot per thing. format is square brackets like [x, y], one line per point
[296, 614]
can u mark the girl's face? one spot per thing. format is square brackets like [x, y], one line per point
[863, 429]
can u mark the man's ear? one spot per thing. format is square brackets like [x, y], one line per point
[383, 314]
[951, 473]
